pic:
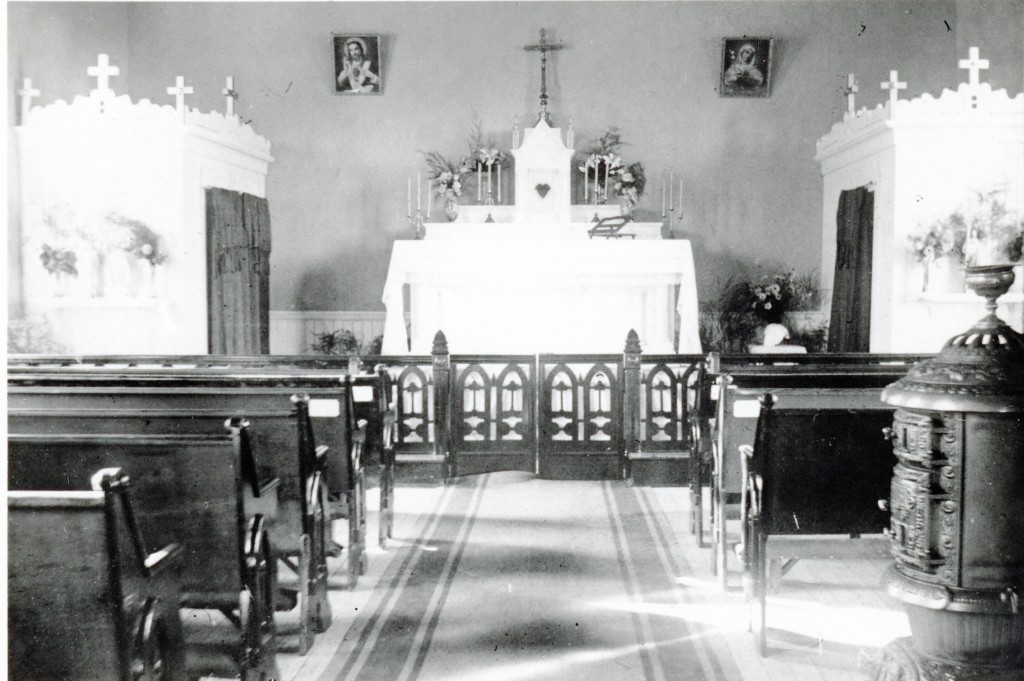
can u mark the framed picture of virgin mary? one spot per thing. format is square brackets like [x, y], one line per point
[357, 65]
[746, 67]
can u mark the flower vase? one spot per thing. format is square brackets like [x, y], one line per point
[943, 275]
[626, 206]
[451, 207]
[63, 285]
[99, 274]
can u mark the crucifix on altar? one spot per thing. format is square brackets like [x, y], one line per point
[543, 47]
[543, 160]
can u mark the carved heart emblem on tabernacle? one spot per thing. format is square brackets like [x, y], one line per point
[543, 189]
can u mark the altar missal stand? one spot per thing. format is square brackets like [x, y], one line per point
[610, 228]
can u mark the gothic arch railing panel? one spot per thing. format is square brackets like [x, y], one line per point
[474, 420]
[414, 396]
[515, 405]
[601, 412]
[560, 405]
[665, 401]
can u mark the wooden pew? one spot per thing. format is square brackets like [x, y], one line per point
[186, 489]
[87, 599]
[701, 425]
[193, 401]
[842, 381]
[342, 481]
[811, 474]
[373, 404]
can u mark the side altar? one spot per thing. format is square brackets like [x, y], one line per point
[529, 278]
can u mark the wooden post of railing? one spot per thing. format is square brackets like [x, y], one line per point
[442, 366]
[630, 401]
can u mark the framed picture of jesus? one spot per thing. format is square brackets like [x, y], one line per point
[357, 65]
[746, 67]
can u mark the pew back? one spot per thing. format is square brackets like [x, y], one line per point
[85, 600]
[188, 489]
[806, 385]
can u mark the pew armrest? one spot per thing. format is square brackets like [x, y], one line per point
[263, 499]
[158, 561]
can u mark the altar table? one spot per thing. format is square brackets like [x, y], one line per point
[567, 294]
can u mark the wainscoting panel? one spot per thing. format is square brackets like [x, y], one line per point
[292, 332]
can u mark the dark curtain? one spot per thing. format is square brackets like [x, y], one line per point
[238, 248]
[850, 324]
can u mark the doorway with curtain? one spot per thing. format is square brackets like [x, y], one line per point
[238, 272]
[850, 320]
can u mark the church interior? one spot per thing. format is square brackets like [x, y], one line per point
[515, 340]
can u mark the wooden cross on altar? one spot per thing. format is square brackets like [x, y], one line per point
[973, 65]
[179, 91]
[893, 86]
[544, 47]
[230, 95]
[102, 72]
[27, 92]
[851, 92]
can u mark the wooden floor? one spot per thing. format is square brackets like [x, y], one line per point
[826, 622]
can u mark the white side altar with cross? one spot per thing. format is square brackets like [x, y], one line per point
[527, 277]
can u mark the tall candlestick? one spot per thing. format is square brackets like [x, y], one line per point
[479, 180]
[671, 181]
[418, 186]
[662, 197]
[430, 198]
[586, 180]
[606, 164]
[489, 165]
[499, 183]
[408, 208]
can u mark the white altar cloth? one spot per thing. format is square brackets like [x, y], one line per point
[520, 296]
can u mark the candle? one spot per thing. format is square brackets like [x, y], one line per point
[671, 181]
[662, 197]
[586, 180]
[479, 180]
[680, 195]
[606, 164]
[489, 163]
[408, 209]
[430, 198]
[418, 185]
[499, 183]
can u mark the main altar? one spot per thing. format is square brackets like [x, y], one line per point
[529, 277]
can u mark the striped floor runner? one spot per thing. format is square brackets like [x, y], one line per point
[510, 578]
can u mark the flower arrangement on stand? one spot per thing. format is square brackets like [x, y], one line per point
[603, 169]
[737, 318]
[485, 158]
[446, 177]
